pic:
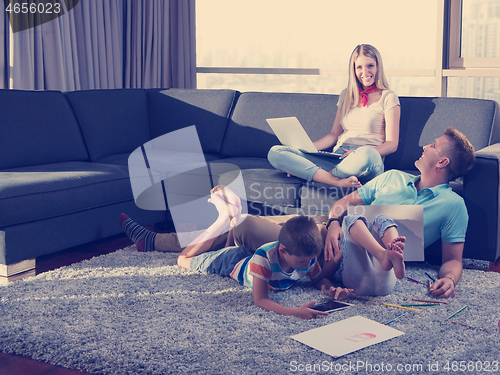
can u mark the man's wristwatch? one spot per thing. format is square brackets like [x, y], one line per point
[332, 219]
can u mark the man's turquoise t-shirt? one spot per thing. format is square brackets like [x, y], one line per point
[445, 213]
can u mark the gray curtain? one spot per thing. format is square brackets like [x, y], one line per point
[106, 44]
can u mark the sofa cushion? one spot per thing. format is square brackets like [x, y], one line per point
[112, 121]
[45, 191]
[248, 133]
[38, 127]
[425, 119]
[208, 110]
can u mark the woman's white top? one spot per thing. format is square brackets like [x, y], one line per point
[365, 126]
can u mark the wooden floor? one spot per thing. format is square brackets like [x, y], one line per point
[18, 365]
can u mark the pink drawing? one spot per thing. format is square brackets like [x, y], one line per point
[359, 336]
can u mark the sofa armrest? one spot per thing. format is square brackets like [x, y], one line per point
[481, 193]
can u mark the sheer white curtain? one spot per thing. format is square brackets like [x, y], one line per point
[105, 44]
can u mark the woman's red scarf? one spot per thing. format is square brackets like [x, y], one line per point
[364, 93]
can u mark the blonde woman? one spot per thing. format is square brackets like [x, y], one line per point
[365, 130]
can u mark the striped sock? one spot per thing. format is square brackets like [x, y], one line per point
[143, 238]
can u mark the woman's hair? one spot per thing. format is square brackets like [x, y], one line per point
[352, 97]
[301, 237]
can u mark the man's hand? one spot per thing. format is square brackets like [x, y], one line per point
[443, 288]
[332, 249]
[340, 293]
[305, 311]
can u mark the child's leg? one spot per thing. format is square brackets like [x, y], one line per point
[385, 230]
[361, 270]
[390, 256]
[205, 241]
[221, 262]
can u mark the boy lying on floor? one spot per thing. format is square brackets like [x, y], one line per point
[276, 265]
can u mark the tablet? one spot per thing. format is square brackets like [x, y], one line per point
[331, 306]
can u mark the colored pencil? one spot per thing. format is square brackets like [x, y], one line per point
[422, 304]
[426, 300]
[466, 326]
[415, 281]
[456, 312]
[401, 307]
[430, 277]
[397, 317]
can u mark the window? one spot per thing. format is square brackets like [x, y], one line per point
[474, 49]
[297, 46]
[438, 48]
[475, 34]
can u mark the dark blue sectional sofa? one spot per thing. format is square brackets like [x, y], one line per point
[63, 158]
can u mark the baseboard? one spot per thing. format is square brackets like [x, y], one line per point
[18, 276]
[495, 266]
[7, 270]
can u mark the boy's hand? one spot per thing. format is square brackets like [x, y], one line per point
[305, 311]
[340, 293]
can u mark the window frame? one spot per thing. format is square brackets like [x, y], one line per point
[455, 45]
[448, 63]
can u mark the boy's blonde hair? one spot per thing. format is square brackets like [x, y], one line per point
[352, 97]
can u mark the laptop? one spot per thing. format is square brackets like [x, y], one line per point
[291, 133]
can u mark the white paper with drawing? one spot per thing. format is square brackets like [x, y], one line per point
[347, 336]
[410, 221]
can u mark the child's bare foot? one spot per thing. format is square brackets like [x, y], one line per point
[230, 197]
[397, 244]
[227, 194]
[393, 257]
[227, 211]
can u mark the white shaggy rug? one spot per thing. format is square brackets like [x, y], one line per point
[138, 313]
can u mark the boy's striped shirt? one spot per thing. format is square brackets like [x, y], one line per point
[264, 264]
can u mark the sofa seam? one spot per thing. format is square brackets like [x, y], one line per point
[59, 190]
[236, 96]
[67, 213]
[89, 157]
